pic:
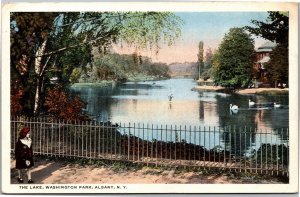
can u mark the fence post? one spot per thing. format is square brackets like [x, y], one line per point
[209, 159]
[152, 142]
[245, 148]
[266, 153]
[261, 147]
[282, 150]
[287, 150]
[175, 144]
[156, 148]
[235, 148]
[138, 142]
[116, 130]
[110, 126]
[219, 145]
[143, 145]
[271, 145]
[171, 144]
[128, 142]
[204, 147]
[250, 139]
[148, 139]
[224, 159]
[230, 148]
[161, 144]
[240, 156]
[214, 148]
[133, 139]
[99, 141]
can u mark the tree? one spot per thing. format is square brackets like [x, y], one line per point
[137, 60]
[71, 109]
[200, 57]
[278, 65]
[275, 29]
[206, 70]
[234, 60]
[208, 58]
[47, 44]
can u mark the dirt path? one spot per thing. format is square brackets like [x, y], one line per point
[60, 172]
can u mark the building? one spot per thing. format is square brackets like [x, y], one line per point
[262, 58]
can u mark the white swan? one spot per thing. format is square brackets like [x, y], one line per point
[234, 107]
[277, 105]
[251, 103]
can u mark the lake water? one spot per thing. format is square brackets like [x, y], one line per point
[148, 103]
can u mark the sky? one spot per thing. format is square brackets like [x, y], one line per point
[209, 27]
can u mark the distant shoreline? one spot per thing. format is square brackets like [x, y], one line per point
[242, 91]
[105, 83]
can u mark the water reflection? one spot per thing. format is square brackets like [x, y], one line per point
[148, 103]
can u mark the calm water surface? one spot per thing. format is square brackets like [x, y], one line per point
[148, 103]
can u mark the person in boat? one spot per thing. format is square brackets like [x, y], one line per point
[24, 155]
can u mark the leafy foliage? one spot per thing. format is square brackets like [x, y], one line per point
[232, 65]
[200, 57]
[147, 29]
[60, 106]
[208, 58]
[206, 72]
[46, 45]
[275, 29]
[205, 75]
[278, 66]
[118, 67]
[15, 101]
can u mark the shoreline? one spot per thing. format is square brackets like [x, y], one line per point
[113, 83]
[241, 91]
[94, 84]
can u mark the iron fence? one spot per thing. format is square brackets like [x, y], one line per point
[228, 148]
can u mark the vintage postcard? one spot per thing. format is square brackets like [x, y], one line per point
[149, 97]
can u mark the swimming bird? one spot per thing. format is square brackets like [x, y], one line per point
[251, 103]
[277, 105]
[234, 107]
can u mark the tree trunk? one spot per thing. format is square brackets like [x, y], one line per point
[39, 76]
[37, 99]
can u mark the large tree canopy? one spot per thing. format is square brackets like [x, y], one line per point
[53, 44]
[233, 62]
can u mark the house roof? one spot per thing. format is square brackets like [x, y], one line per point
[266, 47]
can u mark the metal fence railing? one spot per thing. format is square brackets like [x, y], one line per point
[229, 148]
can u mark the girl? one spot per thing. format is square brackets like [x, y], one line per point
[24, 155]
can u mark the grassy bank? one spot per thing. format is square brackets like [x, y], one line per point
[95, 84]
[112, 83]
[143, 77]
[261, 91]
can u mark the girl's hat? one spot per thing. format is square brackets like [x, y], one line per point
[24, 132]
